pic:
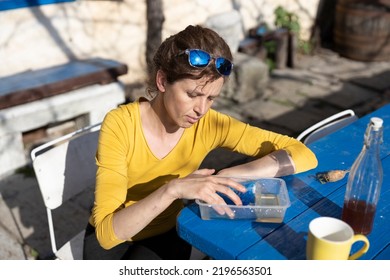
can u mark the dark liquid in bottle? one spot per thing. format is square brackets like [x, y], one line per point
[359, 215]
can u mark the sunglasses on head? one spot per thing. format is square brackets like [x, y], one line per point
[201, 59]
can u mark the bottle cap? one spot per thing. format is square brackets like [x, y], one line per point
[376, 122]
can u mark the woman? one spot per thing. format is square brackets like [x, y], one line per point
[150, 150]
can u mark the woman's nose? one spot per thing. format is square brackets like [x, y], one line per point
[201, 107]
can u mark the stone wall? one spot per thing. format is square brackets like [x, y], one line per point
[38, 37]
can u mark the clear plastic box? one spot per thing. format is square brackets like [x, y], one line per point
[265, 200]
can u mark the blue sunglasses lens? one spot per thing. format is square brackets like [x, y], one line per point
[199, 58]
[224, 66]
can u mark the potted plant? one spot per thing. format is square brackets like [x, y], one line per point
[290, 22]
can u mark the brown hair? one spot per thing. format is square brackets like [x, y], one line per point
[176, 67]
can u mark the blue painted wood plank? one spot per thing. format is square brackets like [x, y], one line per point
[209, 236]
[384, 254]
[36, 78]
[352, 134]
[16, 4]
[36, 84]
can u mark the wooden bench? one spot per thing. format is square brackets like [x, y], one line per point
[37, 99]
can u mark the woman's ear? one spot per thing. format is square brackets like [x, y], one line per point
[161, 80]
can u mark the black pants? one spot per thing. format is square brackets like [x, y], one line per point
[167, 246]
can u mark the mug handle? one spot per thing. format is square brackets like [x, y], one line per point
[363, 250]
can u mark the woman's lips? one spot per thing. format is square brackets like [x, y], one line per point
[192, 120]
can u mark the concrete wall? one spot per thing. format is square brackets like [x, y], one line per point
[32, 38]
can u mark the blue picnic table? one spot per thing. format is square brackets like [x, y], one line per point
[250, 240]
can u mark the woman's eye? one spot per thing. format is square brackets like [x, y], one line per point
[192, 95]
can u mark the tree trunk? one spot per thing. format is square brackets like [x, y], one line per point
[155, 19]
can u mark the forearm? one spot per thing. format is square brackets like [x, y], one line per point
[275, 164]
[201, 184]
[131, 220]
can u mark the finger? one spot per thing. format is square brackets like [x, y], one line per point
[221, 207]
[230, 194]
[231, 183]
[216, 202]
[222, 210]
[219, 204]
[239, 187]
[204, 171]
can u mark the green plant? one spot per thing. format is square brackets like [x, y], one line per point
[270, 47]
[287, 20]
[306, 47]
[290, 21]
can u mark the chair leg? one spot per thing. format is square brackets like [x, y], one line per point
[197, 255]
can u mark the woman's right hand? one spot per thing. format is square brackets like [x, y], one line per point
[205, 186]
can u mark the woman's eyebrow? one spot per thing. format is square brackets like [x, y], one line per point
[198, 91]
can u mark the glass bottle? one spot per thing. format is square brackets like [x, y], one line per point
[365, 181]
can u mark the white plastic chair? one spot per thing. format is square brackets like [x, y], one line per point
[64, 168]
[327, 126]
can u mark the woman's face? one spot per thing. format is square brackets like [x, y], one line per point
[186, 101]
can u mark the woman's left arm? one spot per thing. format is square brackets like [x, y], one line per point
[275, 155]
[276, 164]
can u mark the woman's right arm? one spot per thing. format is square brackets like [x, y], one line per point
[130, 220]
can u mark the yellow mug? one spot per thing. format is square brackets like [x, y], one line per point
[332, 239]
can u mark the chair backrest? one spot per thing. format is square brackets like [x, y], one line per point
[327, 126]
[64, 168]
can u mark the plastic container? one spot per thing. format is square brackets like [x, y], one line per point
[265, 200]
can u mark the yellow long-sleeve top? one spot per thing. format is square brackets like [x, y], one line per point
[128, 171]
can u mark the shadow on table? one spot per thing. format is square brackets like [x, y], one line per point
[287, 241]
